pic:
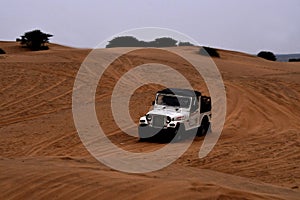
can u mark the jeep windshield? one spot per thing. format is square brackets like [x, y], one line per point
[172, 100]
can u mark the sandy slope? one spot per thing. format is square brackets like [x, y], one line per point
[41, 155]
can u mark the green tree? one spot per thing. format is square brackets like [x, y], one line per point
[165, 42]
[35, 40]
[205, 51]
[123, 41]
[267, 55]
[185, 44]
[2, 51]
[130, 41]
[294, 60]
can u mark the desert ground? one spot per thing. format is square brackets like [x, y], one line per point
[42, 156]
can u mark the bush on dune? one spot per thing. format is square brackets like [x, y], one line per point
[185, 44]
[165, 42]
[267, 55]
[35, 40]
[205, 51]
[123, 41]
[294, 60]
[2, 51]
[130, 41]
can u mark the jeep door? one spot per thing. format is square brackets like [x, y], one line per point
[194, 120]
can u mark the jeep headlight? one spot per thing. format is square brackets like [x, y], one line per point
[168, 119]
[148, 117]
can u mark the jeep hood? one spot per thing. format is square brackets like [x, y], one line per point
[168, 112]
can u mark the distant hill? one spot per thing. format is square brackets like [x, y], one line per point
[286, 57]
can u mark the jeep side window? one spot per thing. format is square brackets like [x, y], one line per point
[205, 104]
[195, 105]
[159, 99]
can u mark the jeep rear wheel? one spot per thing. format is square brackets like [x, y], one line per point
[202, 130]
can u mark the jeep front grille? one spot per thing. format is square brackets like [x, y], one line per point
[158, 121]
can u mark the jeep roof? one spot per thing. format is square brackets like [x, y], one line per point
[181, 92]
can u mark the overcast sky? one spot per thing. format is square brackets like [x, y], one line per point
[242, 25]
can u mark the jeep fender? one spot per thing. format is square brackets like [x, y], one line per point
[205, 115]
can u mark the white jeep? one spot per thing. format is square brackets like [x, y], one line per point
[176, 112]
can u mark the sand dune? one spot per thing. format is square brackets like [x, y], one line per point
[41, 155]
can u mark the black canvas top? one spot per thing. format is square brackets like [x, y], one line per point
[181, 92]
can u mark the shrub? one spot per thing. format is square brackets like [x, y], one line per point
[2, 51]
[294, 60]
[267, 55]
[123, 41]
[130, 41]
[35, 40]
[185, 44]
[205, 51]
[165, 42]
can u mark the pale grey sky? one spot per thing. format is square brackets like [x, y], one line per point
[242, 25]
